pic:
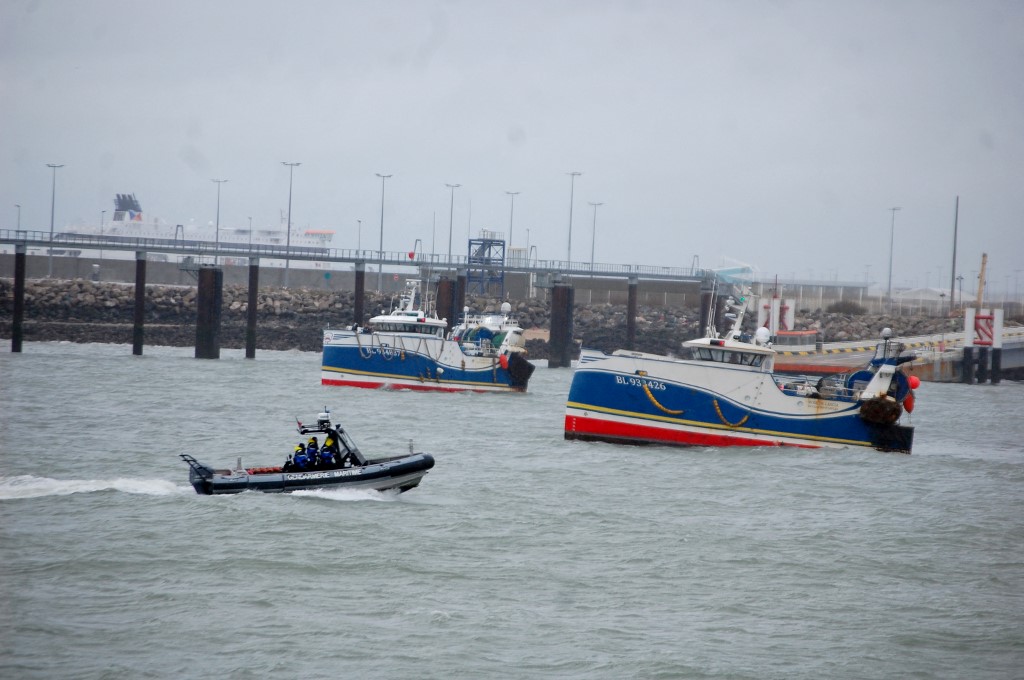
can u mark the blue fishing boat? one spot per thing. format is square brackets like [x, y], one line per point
[723, 392]
[407, 348]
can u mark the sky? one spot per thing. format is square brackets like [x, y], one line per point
[772, 134]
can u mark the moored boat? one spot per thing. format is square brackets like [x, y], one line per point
[407, 348]
[348, 469]
[723, 392]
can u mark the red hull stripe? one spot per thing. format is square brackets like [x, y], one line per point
[592, 427]
[401, 386]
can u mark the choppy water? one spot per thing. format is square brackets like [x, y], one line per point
[520, 556]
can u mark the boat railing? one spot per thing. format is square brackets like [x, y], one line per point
[835, 388]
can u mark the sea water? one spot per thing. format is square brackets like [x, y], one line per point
[521, 555]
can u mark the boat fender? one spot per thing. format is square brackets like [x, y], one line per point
[503, 360]
[908, 402]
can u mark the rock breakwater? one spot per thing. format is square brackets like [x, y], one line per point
[84, 311]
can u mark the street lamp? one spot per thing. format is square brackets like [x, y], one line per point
[103, 218]
[892, 232]
[288, 236]
[572, 184]
[53, 200]
[451, 214]
[380, 251]
[511, 212]
[250, 234]
[217, 237]
[359, 236]
[593, 237]
[18, 206]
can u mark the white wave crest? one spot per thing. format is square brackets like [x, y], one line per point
[347, 494]
[29, 486]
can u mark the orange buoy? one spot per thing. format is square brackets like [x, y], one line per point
[908, 402]
[503, 360]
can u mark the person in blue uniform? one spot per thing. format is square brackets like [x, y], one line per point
[326, 456]
[313, 452]
[290, 463]
[301, 458]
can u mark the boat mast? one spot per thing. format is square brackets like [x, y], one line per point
[952, 276]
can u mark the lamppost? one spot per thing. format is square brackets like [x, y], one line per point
[960, 280]
[18, 206]
[451, 215]
[103, 218]
[250, 234]
[216, 259]
[892, 232]
[53, 200]
[593, 237]
[380, 250]
[359, 236]
[511, 212]
[572, 185]
[288, 236]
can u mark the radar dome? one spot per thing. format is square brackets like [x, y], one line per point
[762, 335]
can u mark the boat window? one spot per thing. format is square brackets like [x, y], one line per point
[727, 356]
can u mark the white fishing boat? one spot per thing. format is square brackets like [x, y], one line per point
[407, 348]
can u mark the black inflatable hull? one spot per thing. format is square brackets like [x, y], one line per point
[402, 473]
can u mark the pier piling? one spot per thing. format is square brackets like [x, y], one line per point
[982, 365]
[460, 291]
[560, 338]
[250, 312]
[208, 304]
[445, 301]
[139, 318]
[360, 292]
[18, 322]
[707, 294]
[631, 312]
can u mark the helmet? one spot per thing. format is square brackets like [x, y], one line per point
[300, 447]
[312, 440]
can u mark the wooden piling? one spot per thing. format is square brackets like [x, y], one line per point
[250, 312]
[208, 311]
[139, 319]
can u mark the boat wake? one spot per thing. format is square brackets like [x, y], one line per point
[30, 486]
[348, 495]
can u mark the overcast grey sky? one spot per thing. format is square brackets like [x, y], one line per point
[776, 134]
